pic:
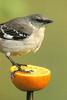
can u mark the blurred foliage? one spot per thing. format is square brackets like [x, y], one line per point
[52, 54]
[12, 8]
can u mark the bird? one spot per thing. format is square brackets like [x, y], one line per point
[22, 35]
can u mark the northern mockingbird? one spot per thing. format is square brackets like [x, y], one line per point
[22, 35]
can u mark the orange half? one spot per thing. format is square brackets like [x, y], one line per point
[31, 78]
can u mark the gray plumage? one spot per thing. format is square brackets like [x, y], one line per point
[22, 35]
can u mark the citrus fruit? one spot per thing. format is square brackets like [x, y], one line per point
[30, 77]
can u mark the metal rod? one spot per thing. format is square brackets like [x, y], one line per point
[29, 95]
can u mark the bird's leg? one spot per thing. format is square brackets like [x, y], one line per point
[18, 66]
[14, 63]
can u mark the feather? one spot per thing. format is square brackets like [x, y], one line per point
[11, 34]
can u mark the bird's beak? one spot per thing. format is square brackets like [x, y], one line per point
[47, 21]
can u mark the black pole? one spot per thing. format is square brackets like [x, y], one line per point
[29, 95]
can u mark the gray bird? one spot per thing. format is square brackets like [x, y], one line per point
[22, 35]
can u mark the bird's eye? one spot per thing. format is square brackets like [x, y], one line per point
[36, 18]
[39, 20]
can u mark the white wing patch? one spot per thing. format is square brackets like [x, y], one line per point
[12, 34]
[6, 35]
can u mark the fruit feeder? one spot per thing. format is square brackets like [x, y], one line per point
[30, 78]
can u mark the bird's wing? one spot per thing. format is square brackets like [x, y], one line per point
[14, 30]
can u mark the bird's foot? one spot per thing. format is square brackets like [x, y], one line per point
[19, 69]
[18, 65]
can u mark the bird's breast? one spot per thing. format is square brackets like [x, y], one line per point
[30, 44]
[39, 36]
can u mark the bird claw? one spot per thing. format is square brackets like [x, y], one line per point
[20, 69]
[18, 65]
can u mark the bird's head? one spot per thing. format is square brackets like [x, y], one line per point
[39, 20]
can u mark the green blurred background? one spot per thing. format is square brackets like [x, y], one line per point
[52, 54]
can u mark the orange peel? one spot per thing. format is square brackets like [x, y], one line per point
[31, 78]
